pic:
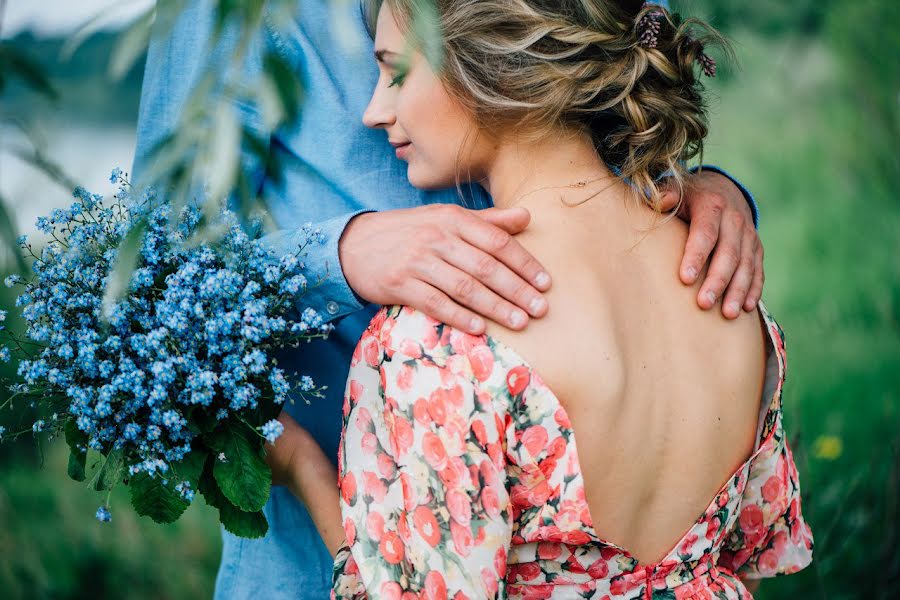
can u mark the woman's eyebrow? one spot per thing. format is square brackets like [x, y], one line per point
[380, 55]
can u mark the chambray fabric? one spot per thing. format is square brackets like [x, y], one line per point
[334, 169]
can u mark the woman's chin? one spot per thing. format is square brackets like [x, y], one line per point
[427, 181]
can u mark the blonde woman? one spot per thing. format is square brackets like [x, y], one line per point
[459, 472]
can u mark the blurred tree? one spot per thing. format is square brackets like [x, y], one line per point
[768, 17]
[865, 34]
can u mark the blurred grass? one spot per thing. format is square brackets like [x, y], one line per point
[810, 123]
[799, 123]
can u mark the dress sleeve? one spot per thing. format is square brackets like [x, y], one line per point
[423, 480]
[770, 536]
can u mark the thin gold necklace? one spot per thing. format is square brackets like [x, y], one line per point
[577, 184]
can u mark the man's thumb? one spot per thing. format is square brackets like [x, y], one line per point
[512, 220]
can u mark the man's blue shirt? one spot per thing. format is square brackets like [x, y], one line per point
[334, 169]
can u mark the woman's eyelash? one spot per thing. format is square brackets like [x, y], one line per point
[397, 80]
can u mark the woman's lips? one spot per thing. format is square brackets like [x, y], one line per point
[401, 150]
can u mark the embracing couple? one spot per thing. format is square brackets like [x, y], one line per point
[443, 462]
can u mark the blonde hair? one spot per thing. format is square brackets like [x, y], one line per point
[535, 67]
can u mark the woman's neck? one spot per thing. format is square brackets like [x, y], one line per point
[518, 168]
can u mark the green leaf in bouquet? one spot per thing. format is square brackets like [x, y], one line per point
[244, 477]
[236, 521]
[150, 498]
[111, 471]
[208, 486]
[190, 468]
[243, 524]
[75, 438]
[76, 465]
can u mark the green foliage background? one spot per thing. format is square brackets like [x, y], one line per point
[809, 120]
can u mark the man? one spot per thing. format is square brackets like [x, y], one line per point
[344, 178]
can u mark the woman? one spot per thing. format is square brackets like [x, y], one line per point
[460, 475]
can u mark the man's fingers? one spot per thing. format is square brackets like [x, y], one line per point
[759, 277]
[498, 277]
[668, 199]
[724, 263]
[504, 247]
[743, 278]
[437, 305]
[511, 220]
[702, 237]
[468, 289]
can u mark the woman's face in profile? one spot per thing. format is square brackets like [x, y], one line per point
[426, 126]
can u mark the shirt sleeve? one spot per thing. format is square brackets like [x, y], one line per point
[770, 536]
[424, 492]
[754, 207]
[179, 54]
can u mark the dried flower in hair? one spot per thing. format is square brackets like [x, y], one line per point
[648, 26]
[708, 63]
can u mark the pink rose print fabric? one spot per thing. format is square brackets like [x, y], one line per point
[459, 479]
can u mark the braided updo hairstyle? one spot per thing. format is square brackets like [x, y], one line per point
[534, 66]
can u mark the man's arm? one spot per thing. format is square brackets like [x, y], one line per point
[178, 57]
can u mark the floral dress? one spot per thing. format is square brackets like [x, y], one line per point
[459, 478]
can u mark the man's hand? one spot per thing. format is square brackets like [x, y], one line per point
[720, 223]
[451, 263]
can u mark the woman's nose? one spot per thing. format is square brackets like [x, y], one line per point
[379, 113]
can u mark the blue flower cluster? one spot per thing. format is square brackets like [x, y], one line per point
[188, 345]
[272, 430]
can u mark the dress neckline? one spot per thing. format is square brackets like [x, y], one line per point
[761, 441]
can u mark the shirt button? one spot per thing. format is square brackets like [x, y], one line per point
[332, 307]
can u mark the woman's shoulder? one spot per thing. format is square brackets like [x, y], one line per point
[410, 334]
[414, 334]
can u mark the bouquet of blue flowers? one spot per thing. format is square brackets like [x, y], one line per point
[173, 382]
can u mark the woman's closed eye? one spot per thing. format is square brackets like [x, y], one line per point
[397, 80]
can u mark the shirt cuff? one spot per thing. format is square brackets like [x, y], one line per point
[327, 291]
[754, 208]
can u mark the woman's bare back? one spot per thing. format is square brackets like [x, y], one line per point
[664, 398]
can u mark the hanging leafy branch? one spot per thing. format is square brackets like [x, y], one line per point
[208, 146]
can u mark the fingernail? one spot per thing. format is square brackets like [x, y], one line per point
[517, 318]
[542, 279]
[734, 307]
[537, 305]
[691, 273]
[475, 324]
[711, 296]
